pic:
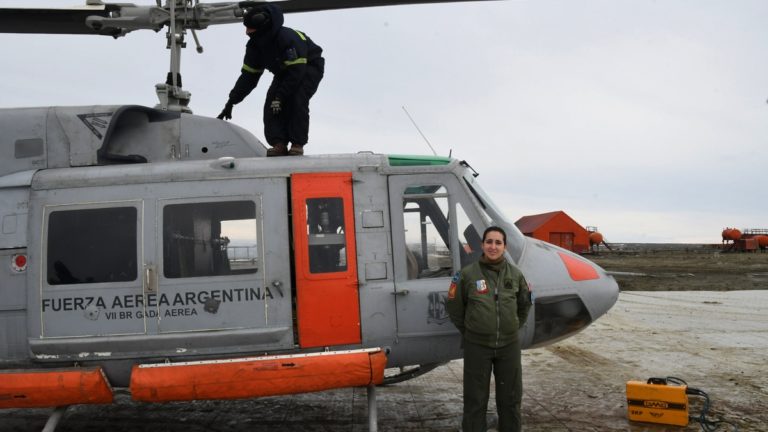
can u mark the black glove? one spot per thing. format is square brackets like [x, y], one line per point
[276, 106]
[226, 113]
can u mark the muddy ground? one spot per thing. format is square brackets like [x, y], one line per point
[676, 267]
[714, 340]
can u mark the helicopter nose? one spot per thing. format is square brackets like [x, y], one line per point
[569, 291]
[603, 293]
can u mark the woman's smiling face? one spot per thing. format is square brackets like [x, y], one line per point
[493, 245]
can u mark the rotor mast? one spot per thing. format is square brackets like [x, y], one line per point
[170, 93]
[179, 16]
[183, 15]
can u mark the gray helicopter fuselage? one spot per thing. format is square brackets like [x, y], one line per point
[149, 236]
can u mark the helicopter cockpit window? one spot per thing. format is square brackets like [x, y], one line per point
[327, 239]
[427, 233]
[92, 246]
[210, 239]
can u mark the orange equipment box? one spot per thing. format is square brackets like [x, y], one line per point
[657, 403]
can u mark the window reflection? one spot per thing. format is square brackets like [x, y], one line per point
[210, 239]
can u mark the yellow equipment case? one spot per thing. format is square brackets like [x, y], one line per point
[657, 403]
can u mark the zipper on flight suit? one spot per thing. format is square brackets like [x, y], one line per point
[498, 316]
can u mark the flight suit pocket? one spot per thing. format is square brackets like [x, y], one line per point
[480, 314]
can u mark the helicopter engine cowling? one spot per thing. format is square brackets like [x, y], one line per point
[60, 137]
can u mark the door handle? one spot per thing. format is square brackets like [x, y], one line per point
[149, 278]
[278, 286]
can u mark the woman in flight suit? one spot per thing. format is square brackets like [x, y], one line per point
[488, 301]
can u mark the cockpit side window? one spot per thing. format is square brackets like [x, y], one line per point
[92, 246]
[427, 233]
[210, 239]
[427, 222]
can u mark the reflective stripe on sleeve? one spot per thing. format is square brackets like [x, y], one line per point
[252, 70]
[302, 60]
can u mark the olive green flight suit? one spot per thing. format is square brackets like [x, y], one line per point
[488, 308]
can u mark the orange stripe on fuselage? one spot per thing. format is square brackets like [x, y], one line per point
[578, 269]
[257, 376]
[53, 387]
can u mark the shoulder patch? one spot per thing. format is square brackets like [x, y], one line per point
[452, 288]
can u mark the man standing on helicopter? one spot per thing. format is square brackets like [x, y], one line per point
[297, 65]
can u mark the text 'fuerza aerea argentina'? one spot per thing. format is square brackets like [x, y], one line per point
[130, 301]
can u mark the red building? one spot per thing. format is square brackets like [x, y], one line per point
[557, 228]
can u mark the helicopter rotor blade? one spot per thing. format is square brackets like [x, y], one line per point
[53, 21]
[105, 19]
[296, 6]
[117, 19]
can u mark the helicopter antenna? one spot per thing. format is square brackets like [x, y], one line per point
[420, 132]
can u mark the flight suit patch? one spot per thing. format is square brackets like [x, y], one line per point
[452, 288]
[481, 287]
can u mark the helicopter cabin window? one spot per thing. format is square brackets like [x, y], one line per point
[92, 246]
[427, 238]
[210, 239]
[327, 238]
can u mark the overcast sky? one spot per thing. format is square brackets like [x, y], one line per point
[647, 119]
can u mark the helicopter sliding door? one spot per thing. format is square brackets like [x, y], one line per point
[327, 302]
[224, 265]
[432, 237]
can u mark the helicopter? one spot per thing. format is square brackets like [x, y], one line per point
[153, 249]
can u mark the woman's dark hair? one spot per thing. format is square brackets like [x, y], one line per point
[497, 229]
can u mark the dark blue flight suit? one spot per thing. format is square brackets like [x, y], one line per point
[297, 65]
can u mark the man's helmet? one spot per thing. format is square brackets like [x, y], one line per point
[257, 19]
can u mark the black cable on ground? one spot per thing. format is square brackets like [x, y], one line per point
[707, 425]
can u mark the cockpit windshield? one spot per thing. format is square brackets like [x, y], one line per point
[494, 216]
